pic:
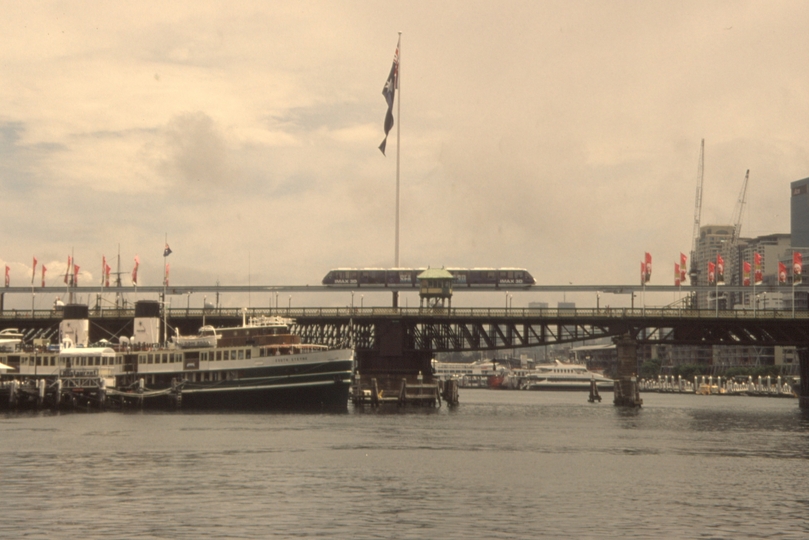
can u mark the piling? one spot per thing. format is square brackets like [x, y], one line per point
[626, 391]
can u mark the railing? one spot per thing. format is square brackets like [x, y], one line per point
[482, 313]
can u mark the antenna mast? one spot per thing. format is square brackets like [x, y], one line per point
[694, 272]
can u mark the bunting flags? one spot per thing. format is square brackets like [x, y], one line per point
[720, 270]
[43, 275]
[782, 272]
[8, 277]
[683, 260]
[389, 91]
[797, 267]
[135, 272]
[758, 277]
[711, 273]
[34, 271]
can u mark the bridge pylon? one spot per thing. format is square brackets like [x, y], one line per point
[626, 391]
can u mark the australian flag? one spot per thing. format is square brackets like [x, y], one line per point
[166, 251]
[389, 91]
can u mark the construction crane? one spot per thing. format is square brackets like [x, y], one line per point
[737, 212]
[694, 272]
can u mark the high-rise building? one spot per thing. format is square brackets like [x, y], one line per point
[799, 213]
[711, 242]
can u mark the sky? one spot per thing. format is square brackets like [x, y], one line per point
[560, 137]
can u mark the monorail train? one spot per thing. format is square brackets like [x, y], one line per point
[406, 277]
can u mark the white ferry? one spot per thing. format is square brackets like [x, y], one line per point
[560, 376]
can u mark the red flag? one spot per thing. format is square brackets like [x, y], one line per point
[34, 271]
[711, 273]
[676, 274]
[720, 270]
[797, 267]
[683, 260]
[43, 275]
[648, 266]
[642, 272]
[135, 271]
[782, 272]
[8, 278]
[103, 269]
[107, 273]
[75, 275]
[758, 277]
[746, 274]
[166, 278]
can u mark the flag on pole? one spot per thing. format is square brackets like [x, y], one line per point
[107, 272]
[648, 267]
[797, 267]
[135, 272]
[720, 270]
[166, 278]
[389, 91]
[676, 274]
[711, 273]
[166, 251]
[75, 275]
[8, 278]
[43, 275]
[746, 273]
[758, 276]
[642, 272]
[34, 271]
[103, 269]
[782, 272]
[683, 260]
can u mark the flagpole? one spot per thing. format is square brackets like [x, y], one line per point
[398, 141]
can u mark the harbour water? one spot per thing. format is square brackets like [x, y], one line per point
[503, 464]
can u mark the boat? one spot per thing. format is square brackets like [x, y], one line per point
[260, 364]
[560, 376]
[10, 339]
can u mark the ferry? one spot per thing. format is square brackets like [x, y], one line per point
[560, 376]
[259, 364]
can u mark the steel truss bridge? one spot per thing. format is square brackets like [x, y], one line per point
[469, 329]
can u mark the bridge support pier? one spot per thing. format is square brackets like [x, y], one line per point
[803, 395]
[626, 390]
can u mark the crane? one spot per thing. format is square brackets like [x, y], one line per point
[737, 212]
[694, 271]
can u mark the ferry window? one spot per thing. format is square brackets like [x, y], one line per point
[165, 358]
[218, 355]
[241, 354]
[150, 359]
[247, 354]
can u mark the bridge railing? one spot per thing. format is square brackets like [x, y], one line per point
[462, 312]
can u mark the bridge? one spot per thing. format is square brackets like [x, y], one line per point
[396, 342]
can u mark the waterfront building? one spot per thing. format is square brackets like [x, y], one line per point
[799, 213]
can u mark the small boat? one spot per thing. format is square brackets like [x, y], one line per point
[560, 376]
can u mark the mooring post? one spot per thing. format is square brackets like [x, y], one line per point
[626, 390]
[803, 359]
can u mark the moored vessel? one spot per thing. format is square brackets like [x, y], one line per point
[258, 365]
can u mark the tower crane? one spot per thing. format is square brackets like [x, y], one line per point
[693, 273]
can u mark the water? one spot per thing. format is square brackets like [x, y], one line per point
[504, 464]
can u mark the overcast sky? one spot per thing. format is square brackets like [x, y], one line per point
[561, 137]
